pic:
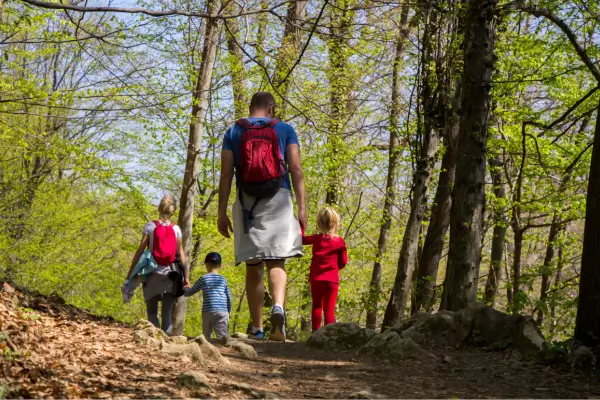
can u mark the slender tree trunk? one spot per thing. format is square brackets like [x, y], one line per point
[195, 253]
[557, 280]
[393, 160]
[499, 234]
[440, 215]
[237, 69]
[238, 309]
[516, 278]
[468, 197]
[587, 325]
[199, 107]
[425, 164]
[306, 308]
[261, 54]
[339, 91]
[289, 51]
[547, 267]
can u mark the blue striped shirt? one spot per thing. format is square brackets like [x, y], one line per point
[216, 296]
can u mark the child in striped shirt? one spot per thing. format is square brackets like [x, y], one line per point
[216, 304]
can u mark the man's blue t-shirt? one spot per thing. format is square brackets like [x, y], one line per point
[285, 133]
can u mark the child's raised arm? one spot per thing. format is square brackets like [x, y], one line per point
[307, 240]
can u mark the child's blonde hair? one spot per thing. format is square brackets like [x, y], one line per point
[166, 208]
[328, 221]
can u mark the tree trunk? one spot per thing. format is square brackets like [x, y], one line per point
[188, 192]
[425, 164]
[288, 53]
[587, 324]
[236, 68]
[468, 197]
[339, 90]
[557, 280]
[440, 214]
[547, 267]
[499, 234]
[393, 160]
[238, 309]
[259, 45]
[306, 308]
[516, 284]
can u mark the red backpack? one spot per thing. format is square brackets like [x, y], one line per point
[261, 169]
[164, 244]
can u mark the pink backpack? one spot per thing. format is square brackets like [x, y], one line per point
[164, 244]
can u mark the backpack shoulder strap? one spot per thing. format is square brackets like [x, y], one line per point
[156, 224]
[272, 123]
[244, 123]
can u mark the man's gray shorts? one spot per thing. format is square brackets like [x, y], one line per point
[217, 322]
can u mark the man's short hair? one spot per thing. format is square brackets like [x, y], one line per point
[262, 100]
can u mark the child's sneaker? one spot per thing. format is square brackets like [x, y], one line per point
[277, 324]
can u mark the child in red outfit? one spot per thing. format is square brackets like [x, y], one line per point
[329, 255]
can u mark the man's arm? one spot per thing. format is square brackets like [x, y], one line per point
[227, 164]
[295, 165]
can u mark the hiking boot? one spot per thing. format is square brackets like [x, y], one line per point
[277, 324]
[258, 335]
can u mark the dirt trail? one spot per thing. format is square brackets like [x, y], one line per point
[55, 351]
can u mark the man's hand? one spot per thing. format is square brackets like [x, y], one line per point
[186, 283]
[224, 225]
[302, 219]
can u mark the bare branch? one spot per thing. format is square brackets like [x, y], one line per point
[540, 12]
[152, 13]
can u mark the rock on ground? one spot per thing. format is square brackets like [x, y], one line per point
[490, 327]
[249, 390]
[341, 335]
[190, 350]
[389, 345]
[442, 329]
[244, 349]
[209, 351]
[363, 394]
[177, 339]
[198, 350]
[147, 334]
[193, 380]
[582, 357]
[478, 324]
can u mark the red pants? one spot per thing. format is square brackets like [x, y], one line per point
[324, 297]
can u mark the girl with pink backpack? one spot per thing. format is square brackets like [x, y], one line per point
[162, 240]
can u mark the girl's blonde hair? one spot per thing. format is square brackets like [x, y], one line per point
[328, 221]
[166, 208]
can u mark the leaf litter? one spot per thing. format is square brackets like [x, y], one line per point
[53, 350]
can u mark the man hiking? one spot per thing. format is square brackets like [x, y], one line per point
[262, 150]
